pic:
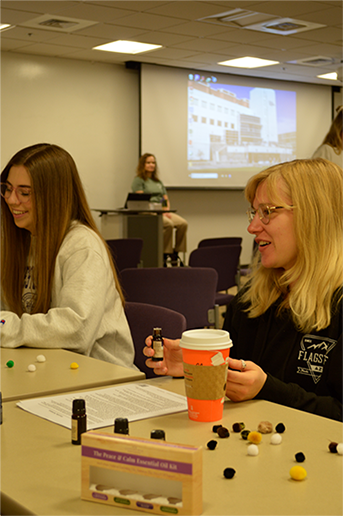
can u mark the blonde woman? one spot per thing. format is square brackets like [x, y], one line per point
[59, 287]
[147, 181]
[331, 148]
[286, 324]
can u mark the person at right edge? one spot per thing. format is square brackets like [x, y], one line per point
[286, 322]
[331, 148]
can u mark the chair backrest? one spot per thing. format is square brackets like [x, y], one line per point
[126, 252]
[189, 291]
[210, 242]
[142, 318]
[223, 258]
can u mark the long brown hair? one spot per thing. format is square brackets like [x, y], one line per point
[141, 172]
[58, 199]
[334, 136]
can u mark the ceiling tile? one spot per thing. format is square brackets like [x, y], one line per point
[185, 10]
[291, 9]
[148, 21]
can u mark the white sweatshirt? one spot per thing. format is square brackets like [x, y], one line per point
[86, 314]
[327, 152]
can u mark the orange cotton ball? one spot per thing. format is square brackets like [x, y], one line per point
[255, 437]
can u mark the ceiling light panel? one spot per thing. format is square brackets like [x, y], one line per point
[127, 47]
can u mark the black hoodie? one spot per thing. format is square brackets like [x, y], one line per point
[304, 371]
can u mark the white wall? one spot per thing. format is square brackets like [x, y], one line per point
[90, 109]
[216, 213]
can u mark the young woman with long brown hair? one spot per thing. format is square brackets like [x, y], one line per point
[59, 287]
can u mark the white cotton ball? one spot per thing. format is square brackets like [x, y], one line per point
[41, 358]
[31, 368]
[252, 449]
[340, 449]
[276, 439]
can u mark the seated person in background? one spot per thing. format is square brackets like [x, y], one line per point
[58, 281]
[147, 181]
[286, 323]
[331, 148]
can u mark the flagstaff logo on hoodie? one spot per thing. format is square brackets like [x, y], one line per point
[314, 355]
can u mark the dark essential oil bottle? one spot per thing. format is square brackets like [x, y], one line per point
[78, 420]
[157, 345]
[121, 426]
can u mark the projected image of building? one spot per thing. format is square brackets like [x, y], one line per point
[225, 130]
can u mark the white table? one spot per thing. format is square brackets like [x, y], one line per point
[41, 468]
[55, 375]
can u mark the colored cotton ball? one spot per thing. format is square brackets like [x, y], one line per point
[339, 448]
[215, 428]
[223, 432]
[74, 365]
[265, 427]
[229, 472]
[238, 427]
[244, 434]
[280, 428]
[276, 439]
[255, 437]
[31, 368]
[10, 363]
[299, 457]
[253, 449]
[41, 358]
[298, 473]
[211, 445]
[333, 447]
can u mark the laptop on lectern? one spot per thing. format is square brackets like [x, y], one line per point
[138, 201]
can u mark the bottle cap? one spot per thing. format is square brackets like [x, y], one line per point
[79, 406]
[158, 434]
[121, 425]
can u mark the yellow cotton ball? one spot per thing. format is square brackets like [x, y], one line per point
[255, 437]
[298, 473]
[74, 365]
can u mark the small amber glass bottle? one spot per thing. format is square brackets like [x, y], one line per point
[157, 345]
[78, 420]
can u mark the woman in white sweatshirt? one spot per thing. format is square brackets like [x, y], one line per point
[59, 287]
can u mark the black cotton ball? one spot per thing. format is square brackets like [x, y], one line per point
[299, 457]
[229, 472]
[215, 428]
[211, 445]
[280, 428]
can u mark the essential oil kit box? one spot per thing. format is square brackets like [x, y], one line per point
[143, 474]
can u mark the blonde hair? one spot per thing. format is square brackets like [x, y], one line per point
[312, 285]
[141, 172]
[334, 136]
[58, 199]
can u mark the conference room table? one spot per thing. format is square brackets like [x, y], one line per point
[55, 374]
[41, 469]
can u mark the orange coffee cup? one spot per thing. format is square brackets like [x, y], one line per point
[205, 355]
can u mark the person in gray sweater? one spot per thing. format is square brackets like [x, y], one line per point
[59, 287]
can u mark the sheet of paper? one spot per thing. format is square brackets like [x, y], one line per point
[103, 406]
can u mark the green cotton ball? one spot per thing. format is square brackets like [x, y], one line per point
[10, 363]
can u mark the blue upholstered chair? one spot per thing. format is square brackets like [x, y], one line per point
[142, 318]
[189, 291]
[225, 260]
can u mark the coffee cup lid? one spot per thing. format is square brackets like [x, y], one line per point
[204, 339]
